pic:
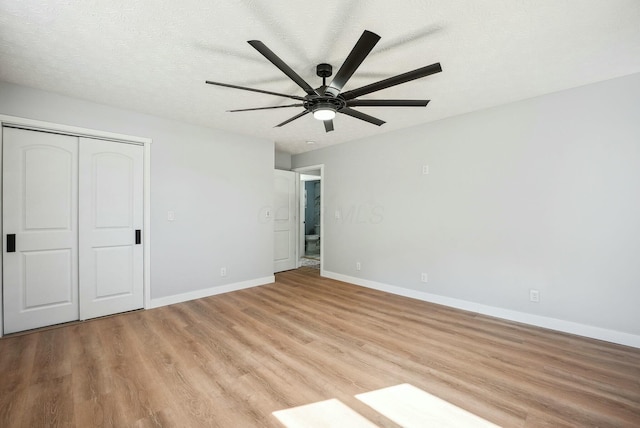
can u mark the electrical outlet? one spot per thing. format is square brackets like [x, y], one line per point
[171, 215]
[425, 169]
[223, 271]
[424, 277]
[534, 295]
[358, 266]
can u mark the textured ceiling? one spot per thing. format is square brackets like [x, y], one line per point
[154, 56]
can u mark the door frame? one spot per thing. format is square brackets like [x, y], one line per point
[38, 125]
[303, 179]
[302, 170]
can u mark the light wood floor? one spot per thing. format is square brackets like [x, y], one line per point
[231, 360]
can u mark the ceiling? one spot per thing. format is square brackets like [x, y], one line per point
[154, 57]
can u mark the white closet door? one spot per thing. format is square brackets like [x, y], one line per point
[111, 211]
[39, 208]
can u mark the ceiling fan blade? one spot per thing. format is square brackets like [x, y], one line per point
[387, 103]
[393, 81]
[328, 125]
[292, 119]
[361, 116]
[275, 60]
[265, 108]
[226, 85]
[359, 52]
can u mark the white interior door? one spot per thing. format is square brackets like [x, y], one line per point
[284, 220]
[39, 220]
[110, 222]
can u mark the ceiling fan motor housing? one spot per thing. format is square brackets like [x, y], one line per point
[324, 70]
[323, 103]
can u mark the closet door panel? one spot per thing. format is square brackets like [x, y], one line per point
[48, 172]
[42, 268]
[111, 203]
[40, 278]
[114, 282]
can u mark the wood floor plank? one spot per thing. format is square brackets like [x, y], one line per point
[50, 403]
[14, 390]
[91, 375]
[16, 362]
[233, 359]
[18, 354]
[50, 359]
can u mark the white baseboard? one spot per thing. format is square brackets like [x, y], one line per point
[507, 314]
[211, 291]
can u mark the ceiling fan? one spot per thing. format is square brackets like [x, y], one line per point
[327, 100]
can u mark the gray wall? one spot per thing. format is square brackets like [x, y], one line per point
[543, 193]
[282, 160]
[216, 182]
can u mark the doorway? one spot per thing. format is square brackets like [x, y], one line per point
[311, 233]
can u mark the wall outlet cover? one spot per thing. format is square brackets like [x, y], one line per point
[534, 295]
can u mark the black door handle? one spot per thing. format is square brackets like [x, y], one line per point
[138, 236]
[11, 243]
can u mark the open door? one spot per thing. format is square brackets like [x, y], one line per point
[285, 220]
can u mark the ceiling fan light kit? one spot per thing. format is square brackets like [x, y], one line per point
[324, 111]
[327, 100]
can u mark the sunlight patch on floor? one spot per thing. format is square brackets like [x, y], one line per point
[404, 404]
[409, 406]
[326, 414]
